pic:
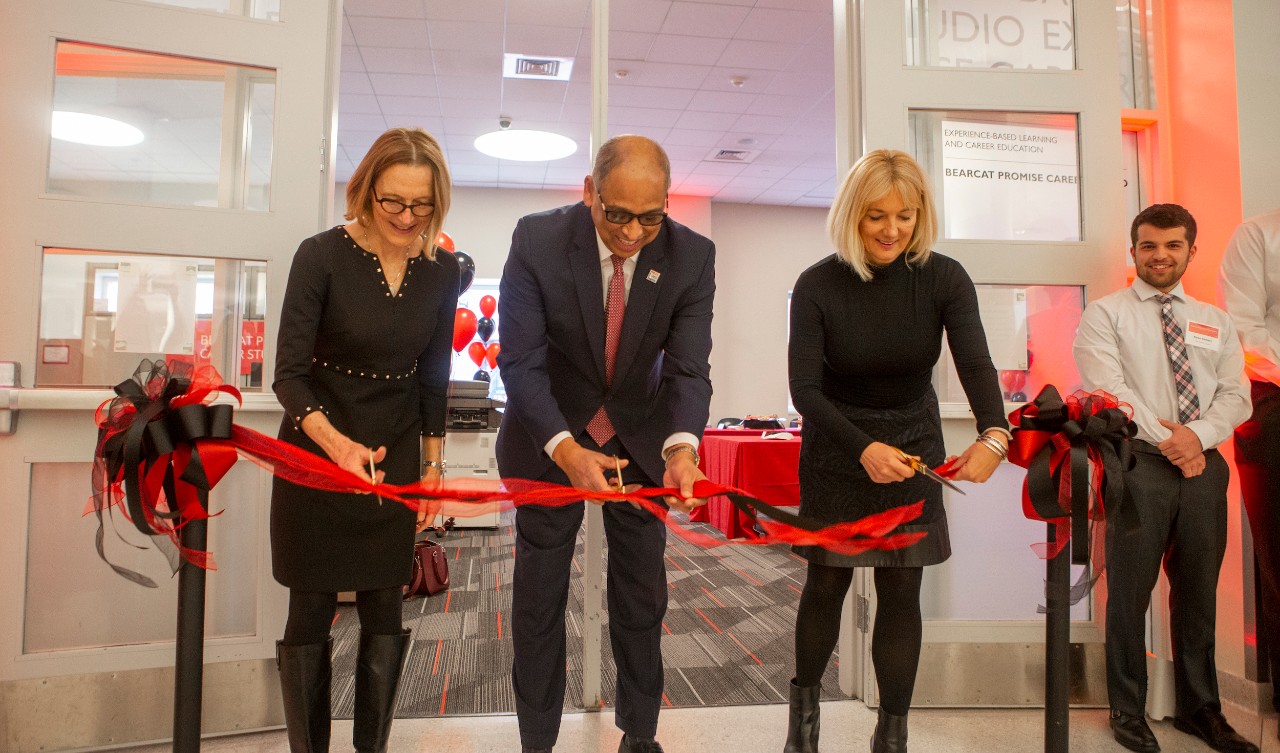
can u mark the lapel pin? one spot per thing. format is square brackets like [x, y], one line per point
[653, 275]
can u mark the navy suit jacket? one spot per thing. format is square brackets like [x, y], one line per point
[552, 329]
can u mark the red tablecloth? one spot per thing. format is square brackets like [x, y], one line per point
[767, 469]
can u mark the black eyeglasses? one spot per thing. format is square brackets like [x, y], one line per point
[392, 206]
[619, 217]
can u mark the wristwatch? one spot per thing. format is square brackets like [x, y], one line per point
[682, 447]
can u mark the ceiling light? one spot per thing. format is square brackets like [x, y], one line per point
[524, 145]
[93, 130]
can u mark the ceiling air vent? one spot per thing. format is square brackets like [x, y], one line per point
[541, 67]
[731, 155]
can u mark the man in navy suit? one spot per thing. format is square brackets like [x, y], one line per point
[606, 330]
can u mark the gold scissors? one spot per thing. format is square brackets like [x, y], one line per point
[919, 466]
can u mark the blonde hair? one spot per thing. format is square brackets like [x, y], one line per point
[402, 146]
[872, 178]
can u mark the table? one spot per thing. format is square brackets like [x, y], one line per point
[767, 469]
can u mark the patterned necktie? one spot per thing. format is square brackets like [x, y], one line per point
[600, 427]
[1176, 347]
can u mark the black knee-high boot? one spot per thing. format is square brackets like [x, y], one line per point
[891, 733]
[304, 686]
[804, 720]
[377, 676]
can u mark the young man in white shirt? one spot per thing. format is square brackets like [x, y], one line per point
[1178, 363]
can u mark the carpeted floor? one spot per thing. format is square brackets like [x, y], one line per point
[728, 630]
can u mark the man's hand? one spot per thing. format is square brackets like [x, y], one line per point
[1193, 467]
[884, 465]
[1183, 445]
[584, 467]
[681, 473]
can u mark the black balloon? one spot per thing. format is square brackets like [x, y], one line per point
[480, 376]
[467, 266]
[484, 328]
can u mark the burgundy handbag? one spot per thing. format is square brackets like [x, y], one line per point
[430, 569]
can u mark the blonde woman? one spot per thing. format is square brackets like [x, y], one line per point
[866, 331]
[362, 370]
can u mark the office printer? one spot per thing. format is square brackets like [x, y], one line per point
[470, 407]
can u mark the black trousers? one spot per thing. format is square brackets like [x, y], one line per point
[1257, 455]
[1181, 522]
[637, 602]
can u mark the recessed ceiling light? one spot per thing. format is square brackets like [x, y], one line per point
[525, 146]
[94, 130]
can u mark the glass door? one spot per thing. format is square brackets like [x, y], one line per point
[163, 161]
[1013, 109]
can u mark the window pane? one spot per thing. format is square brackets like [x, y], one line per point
[101, 313]
[139, 127]
[1134, 32]
[268, 10]
[991, 34]
[1001, 176]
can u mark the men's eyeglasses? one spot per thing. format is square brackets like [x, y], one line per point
[392, 206]
[619, 217]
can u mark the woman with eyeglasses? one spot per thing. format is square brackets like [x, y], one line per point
[362, 371]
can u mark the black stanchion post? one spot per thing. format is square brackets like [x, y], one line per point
[1057, 644]
[189, 662]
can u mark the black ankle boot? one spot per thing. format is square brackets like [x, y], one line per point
[804, 720]
[304, 687]
[377, 676]
[891, 733]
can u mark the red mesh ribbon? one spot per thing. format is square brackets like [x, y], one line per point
[162, 447]
[1075, 452]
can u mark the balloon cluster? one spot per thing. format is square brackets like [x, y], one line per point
[466, 326]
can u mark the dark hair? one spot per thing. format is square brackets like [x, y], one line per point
[1164, 216]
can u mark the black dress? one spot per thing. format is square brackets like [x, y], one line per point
[860, 359]
[377, 365]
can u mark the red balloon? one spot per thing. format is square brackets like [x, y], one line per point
[464, 328]
[445, 241]
[488, 305]
[476, 351]
[492, 353]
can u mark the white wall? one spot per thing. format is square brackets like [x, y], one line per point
[1258, 92]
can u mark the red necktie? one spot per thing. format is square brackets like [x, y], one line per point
[600, 427]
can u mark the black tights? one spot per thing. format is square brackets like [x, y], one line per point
[311, 614]
[895, 637]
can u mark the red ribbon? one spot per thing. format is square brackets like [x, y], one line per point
[158, 470]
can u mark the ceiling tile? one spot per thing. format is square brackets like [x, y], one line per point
[708, 167]
[528, 90]
[417, 106]
[361, 103]
[669, 75]
[402, 84]
[785, 106]
[751, 55]
[475, 63]
[527, 111]
[819, 6]
[362, 122]
[753, 81]
[766, 124]
[522, 172]
[491, 11]
[558, 175]
[628, 45]
[690, 154]
[642, 116]
[465, 35]
[650, 96]
[567, 13]
[785, 25]
[736, 101]
[706, 121]
[474, 175]
[813, 174]
[384, 8]
[467, 127]
[470, 87]
[704, 19]
[638, 15]
[347, 36]
[354, 82]
[388, 32]
[672, 48]
[397, 60]
[686, 137]
[553, 41]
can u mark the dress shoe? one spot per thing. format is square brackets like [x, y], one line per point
[631, 744]
[1210, 725]
[1133, 733]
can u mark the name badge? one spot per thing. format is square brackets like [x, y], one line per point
[1204, 335]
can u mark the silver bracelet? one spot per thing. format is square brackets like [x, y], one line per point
[994, 445]
[437, 464]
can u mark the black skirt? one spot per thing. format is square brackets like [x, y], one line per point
[835, 488]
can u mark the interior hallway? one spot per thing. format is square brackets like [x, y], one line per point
[846, 728]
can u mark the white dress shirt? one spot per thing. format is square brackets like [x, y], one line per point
[606, 277]
[1249, 281]
[1119, 348]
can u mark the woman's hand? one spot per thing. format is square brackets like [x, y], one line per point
[428, 507]
[976, 464]
[884, 465]
[358, 459]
